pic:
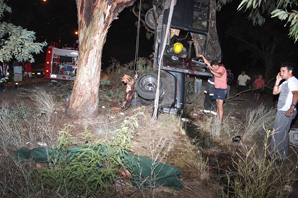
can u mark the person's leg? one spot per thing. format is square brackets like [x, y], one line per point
[207, 103]
[238, 91]
[258, 97]
[30, 77]
[228, 91]
[244, 93]
[219, 104]
[280, 136]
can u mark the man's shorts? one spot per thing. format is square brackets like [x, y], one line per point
[29, 74]
[220, 94]
[241, 88]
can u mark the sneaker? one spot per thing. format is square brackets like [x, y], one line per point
[213, 112]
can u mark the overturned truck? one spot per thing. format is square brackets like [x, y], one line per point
[193, 31]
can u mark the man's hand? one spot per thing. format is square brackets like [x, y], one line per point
[290, 112]
[278, 77]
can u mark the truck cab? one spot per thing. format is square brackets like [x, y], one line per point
[193, 31]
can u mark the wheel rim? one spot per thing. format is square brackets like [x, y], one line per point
[149, 83]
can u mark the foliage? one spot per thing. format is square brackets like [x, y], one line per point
[91, 170]
[16, 42]
[258, 176]
[282, 9]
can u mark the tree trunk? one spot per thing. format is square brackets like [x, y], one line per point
[94, 19]
[268, 59]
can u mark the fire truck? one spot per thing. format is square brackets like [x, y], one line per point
[61, 64]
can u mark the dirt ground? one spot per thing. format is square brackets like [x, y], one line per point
[165, 139]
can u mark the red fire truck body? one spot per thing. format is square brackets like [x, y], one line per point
[61, 64]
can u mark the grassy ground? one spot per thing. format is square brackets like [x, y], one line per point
[212, 164]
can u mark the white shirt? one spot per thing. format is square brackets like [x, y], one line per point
[285, 98]
[243, 79]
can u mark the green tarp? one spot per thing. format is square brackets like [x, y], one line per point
[143, 170]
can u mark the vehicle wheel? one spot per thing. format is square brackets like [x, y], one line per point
[146, 102]
[149, 19]
[146, 86]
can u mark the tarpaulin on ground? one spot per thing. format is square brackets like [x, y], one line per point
[144, 171]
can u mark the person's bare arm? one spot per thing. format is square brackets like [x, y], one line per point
[215, 73]
[290, 112]
[276, 88]
[204, 59]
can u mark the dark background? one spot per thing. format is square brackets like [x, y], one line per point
[56, 21]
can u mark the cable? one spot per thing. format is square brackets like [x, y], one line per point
[156, 100]
[137, 41]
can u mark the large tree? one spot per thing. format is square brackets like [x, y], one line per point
[94, 19]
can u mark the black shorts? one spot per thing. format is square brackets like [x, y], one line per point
[220, 94]
[241, 88]
[259, 91]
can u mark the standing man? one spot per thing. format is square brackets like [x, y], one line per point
[286, 111]
[242, 81]
[220, 82]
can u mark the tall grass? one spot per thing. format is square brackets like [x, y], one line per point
[257, 176]
[20, 127]
[88, 173]
[256, 120]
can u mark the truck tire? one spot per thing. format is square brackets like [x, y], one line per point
[146, 102]
[150, 20]
[146, 86]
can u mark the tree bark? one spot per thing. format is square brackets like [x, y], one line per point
[268, 59]
[94, 19]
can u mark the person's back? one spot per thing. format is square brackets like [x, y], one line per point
[221, 82]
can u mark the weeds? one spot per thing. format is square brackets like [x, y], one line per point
[256, 119]
[259, 177]
[44, 101]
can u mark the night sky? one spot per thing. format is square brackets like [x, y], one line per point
[56, 20]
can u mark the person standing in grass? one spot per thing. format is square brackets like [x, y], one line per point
[242, 83]
[286, 111]
[220, 82]
[259, 86]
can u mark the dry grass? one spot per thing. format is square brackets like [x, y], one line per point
[44, 101]
[256, 120]
[21, 127]
[257, 176]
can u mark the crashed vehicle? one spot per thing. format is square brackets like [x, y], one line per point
[193, 31]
